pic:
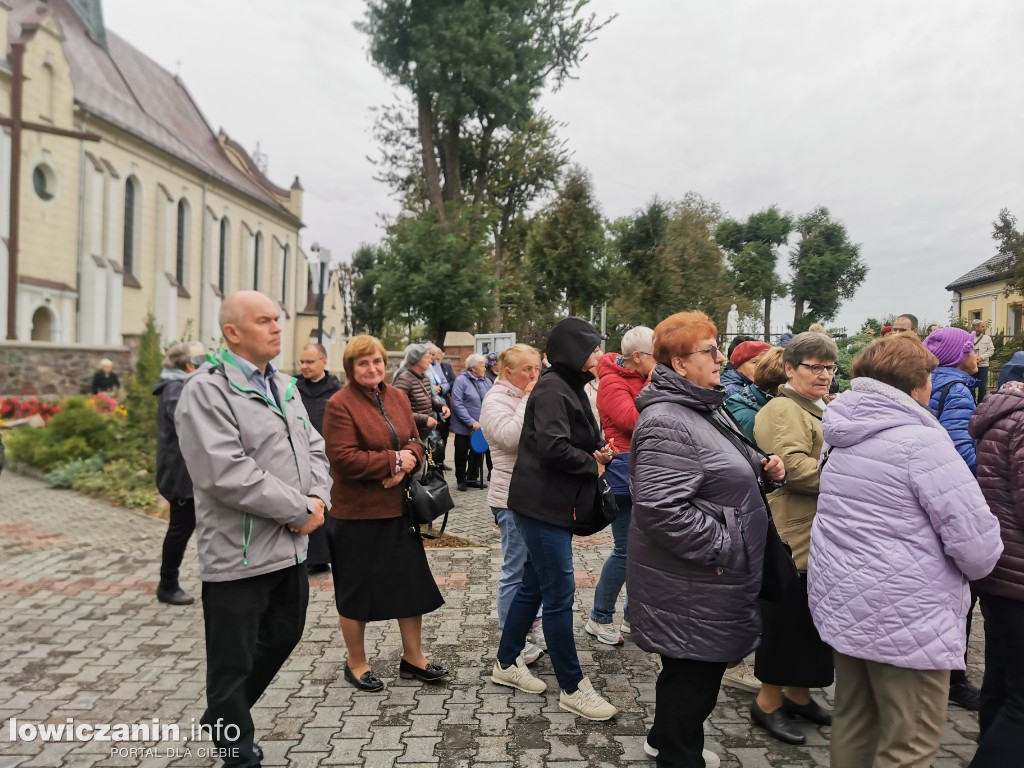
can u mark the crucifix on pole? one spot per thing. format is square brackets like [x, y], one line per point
[17, 126]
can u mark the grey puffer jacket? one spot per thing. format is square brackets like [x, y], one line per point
[696, 540]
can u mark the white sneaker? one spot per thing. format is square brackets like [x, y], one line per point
[531, 653]
[517, 676]
[625, 628]
[587, 702]
[606, 633]
[536, 636]
[742, 677]
[711, 760]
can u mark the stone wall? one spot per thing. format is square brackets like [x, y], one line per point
[52, 370]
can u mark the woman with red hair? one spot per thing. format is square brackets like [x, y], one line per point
[696, 541]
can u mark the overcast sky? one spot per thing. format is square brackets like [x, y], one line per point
[901, 117]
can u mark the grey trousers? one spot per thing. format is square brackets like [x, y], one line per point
[886, 716]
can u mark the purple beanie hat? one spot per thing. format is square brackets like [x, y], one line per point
[950, 345]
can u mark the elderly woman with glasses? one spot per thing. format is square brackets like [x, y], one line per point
[696, 538]
[792, 656]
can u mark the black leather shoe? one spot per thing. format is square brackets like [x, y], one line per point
[365, 682]
[258, 752]
[432, 673]
[476, 484]
[174, 596]
[812, 712]
[777, 723]
[965, 694]
[462, 486]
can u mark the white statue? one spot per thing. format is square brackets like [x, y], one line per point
[732, 322]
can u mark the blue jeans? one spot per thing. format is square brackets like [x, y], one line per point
[548, 578]
[513, 560]
[613, 574]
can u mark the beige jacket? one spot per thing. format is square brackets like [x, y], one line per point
[501, 419]
[790, 426]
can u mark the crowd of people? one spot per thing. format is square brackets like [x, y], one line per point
[895, 505]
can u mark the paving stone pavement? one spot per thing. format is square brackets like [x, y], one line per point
[82, 636]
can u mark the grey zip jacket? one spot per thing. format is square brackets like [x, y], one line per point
[252, 465]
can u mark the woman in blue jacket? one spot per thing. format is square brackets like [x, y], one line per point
[952, 400]
[467, 398]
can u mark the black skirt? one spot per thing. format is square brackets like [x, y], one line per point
[791, 651]
[380, 570]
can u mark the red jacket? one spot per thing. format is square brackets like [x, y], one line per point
[616, 399]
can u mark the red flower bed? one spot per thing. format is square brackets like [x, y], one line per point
[12, 408]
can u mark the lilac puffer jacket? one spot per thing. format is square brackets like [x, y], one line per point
[901, 526]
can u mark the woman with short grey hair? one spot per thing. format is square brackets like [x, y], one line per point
[172, 478]
[467, 398]
[792, 656]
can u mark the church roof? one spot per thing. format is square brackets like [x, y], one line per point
[990, 271]
[122, 86]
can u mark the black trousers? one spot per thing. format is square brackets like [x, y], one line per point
[467, 461]
[252, 625]
[982, 388]
[1002, 693]
[685, 695]
[179, 530]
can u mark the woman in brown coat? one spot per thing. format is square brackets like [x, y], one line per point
[380, 568]
[792, 655]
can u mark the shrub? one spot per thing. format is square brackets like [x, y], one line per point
[122, 481]
[65, 474]
[76, 432]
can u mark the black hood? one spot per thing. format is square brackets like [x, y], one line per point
[570, 344]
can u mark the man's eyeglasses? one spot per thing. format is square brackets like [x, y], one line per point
[817, 368]
[901, 330]
[306, 362]
[712, 350]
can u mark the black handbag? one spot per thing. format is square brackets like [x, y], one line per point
[780, 576]
[427, 498]
[606, 501]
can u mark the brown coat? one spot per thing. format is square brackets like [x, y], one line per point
[361, 449]
[790, 426]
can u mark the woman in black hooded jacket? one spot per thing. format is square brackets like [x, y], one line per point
[552, 495]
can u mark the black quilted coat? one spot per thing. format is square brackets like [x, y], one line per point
[998, 426]
[696, 540]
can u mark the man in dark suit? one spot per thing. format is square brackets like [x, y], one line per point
[316, 385]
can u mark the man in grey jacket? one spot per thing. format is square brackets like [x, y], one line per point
[261, 483]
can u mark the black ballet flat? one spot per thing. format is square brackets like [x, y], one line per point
[432, 673]
[777, 723]
[365, 682]
[812, 712]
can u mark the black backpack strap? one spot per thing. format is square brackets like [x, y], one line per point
[942, 398]
[824, 459]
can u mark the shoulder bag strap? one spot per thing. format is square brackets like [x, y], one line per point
[942, 398]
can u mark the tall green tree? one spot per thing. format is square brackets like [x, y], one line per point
[669, 262]
[472, 69]
[826, 269]
[753, 252]
[366, 305]
[1010, 243]
[567, 251]
[438, 278]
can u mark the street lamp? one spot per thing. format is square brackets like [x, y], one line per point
[324, 256]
